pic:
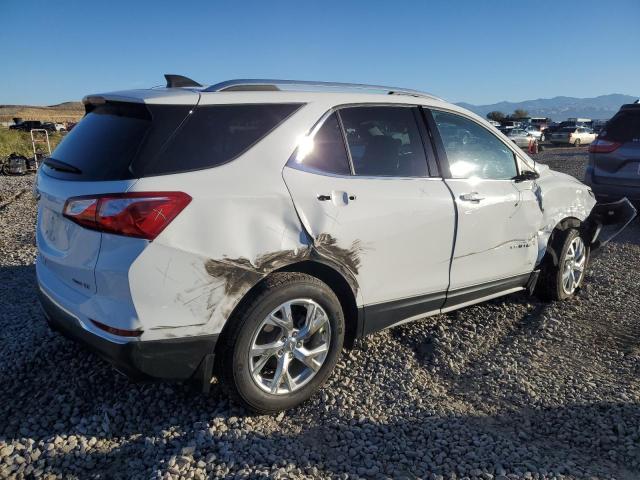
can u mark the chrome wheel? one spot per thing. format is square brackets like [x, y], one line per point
[574, 265]
[290, 346]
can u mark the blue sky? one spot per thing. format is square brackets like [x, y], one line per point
[475, 51]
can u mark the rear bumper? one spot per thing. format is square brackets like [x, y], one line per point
[607, 220]
[170, 359]
[611, 193]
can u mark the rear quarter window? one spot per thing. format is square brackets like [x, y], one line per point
[216, 134]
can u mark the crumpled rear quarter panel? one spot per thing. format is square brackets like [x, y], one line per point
[240, 225]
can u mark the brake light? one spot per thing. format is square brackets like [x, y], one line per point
[136, 214]
[600, 145]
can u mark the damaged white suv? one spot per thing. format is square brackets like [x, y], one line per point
[252, 229]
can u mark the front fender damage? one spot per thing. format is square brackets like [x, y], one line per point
[606, 221]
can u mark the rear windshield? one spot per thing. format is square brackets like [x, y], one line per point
[623, 127]
[119, 141]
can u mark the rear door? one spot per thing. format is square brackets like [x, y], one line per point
[621, 166]
[378, 197]
[496, 241]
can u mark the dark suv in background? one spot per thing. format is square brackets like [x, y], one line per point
[29, 125]
[614, 157]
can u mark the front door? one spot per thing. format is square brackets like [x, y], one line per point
[496, 242]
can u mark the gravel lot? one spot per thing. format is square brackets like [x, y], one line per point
[512, 389]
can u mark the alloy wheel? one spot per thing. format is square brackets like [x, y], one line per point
[290, 346]
[574, 265]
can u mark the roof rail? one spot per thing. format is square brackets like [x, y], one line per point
[262, 84]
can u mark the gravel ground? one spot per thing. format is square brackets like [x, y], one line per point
[511, 389]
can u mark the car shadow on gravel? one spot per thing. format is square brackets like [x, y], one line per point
[549, 441]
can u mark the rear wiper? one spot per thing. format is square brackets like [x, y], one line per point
[61, 166]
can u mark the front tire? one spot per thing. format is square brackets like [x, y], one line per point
[561, 279]
[282, 344]
[576, 143]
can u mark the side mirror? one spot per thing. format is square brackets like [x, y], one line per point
[525, 176]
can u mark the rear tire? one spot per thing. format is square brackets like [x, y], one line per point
[261, 325]
[561, 279]
[576, 143]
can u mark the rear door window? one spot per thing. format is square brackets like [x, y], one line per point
[384, 141]
[328, 153]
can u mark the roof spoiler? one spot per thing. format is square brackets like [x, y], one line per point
[178, 81]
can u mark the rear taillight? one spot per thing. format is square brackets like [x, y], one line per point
[600, 145]
[137, 214]
[117, 331]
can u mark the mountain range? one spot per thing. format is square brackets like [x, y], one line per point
[560, 108]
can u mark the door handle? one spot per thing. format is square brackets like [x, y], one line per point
[471, 197]
[324, 198]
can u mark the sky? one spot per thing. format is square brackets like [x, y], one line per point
[474, 51]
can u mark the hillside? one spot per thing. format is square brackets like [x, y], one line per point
[560, 108]
[63, 112]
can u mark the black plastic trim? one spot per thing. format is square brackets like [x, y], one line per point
[171, 359]
[475, 292]
[441, 154]
[427, 144]
[383, 315]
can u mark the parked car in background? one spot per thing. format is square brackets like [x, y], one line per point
[26, 125]
[534, 131]
[60, 127]
[509, 124]
[613, 171]
[189, 231]
[521, 138]
[540, 122]
[551, 129]
[575, 136]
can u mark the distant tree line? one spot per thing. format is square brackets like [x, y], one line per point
[501, 117]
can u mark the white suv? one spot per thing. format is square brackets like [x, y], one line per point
[251, 229]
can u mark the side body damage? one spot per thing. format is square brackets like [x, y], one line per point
[240, 226]
[568, 204]
[563, 201]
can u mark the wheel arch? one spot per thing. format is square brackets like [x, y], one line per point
[346, 291]
[563, 225]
